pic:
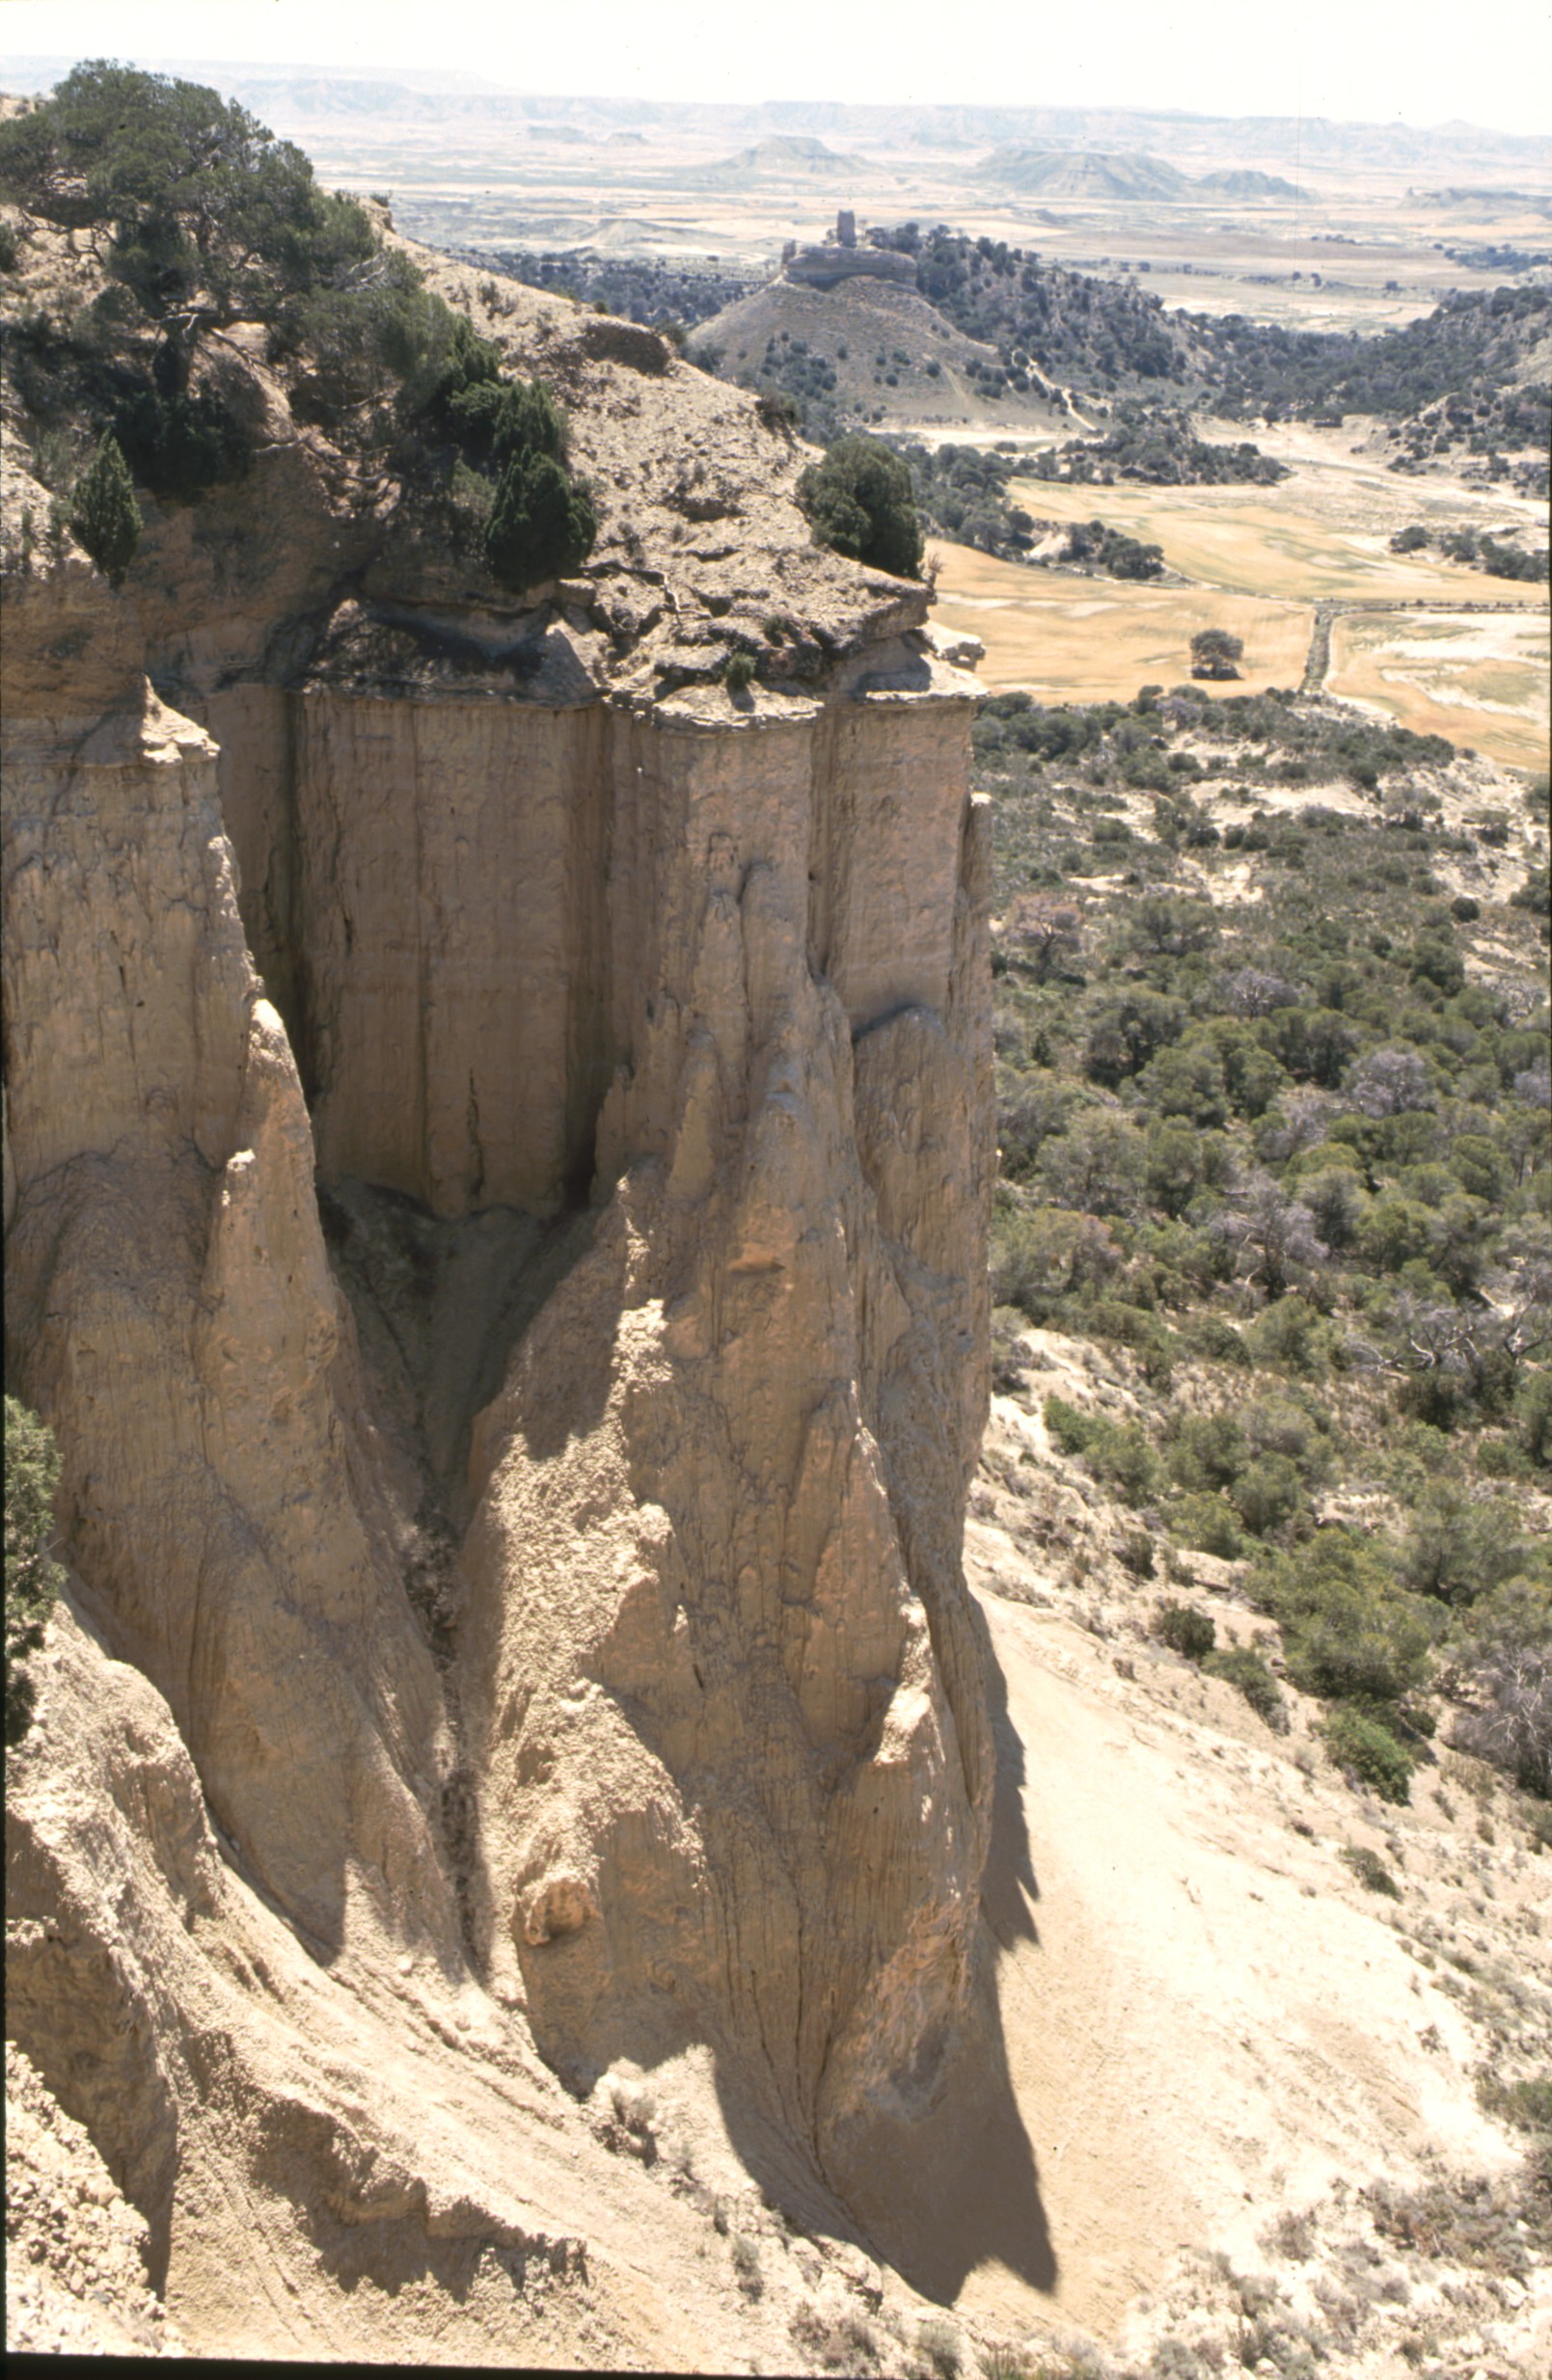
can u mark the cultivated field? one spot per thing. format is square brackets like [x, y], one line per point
[1260, 559]
[1260, 541]
[1068, 639]
[1479, 678]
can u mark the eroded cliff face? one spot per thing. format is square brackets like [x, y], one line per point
[498, 1163]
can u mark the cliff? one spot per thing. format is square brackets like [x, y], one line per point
[498, 1166]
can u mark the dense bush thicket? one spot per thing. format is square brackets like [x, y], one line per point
[1274, 1134]
[203, 217]
[32, 1574]
[667, 296]
[1456, 379]
[1155, 443]
[1049, 326]
[859, 501]
[1469, 352]
[963, 492]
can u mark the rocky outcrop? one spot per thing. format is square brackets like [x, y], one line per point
[499, 1133]
[173, 1313]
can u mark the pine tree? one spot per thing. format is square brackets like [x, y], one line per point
[104, 514]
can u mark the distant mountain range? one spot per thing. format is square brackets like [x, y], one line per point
[294, 100]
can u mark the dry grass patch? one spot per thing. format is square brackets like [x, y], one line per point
[1256, 542]
[1072, 639]
[1479, 678]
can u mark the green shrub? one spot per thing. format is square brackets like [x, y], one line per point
[1135, 1552]
[1533, 1416]
[1292, 1335]
[941, 2344]
[1207, 1524]
[1041, 1255]
[1116, 1453]
[495, 419]
[1267, 1493]
[1008, 1366]
[1122, 1457]
[393, 338]
[1149, 1339]
[1394, 1231]
[1349, 1631]
[1459, 1546]
[1210, 1337]
[1363, 1749]
[1237, 1665]
[1184, 1630]
[104, 514]
[1526, 2104]
[1074, 1433]
[1208, 1451]
[32, 1576]
[541, 523]
[861, 502]
[738, 671]
[180, 447]
[1370, 1869]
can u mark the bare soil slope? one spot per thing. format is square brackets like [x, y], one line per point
[882, 341]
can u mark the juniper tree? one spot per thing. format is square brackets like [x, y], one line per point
[541, 523]
[103, 513]
[861, 502]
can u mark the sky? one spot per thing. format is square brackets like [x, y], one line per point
[1414, 62]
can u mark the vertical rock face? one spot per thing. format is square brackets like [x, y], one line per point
[717, 1666]
[679, 1002]
[720, 1697]
[173, 1314]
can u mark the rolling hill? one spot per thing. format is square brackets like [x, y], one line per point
[787, 156]
[1085, 173]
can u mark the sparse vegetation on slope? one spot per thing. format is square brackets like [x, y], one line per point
[1274, 1120]
[32, 1574]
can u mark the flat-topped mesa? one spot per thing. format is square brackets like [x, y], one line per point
[677, 996]
[824, 263]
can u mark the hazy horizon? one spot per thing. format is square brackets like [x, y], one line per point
[1388, 64]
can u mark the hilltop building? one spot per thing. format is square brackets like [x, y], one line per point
[822, 266]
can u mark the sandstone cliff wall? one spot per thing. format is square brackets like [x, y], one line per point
[499, 1157]
[171, 1310]
[721, 1730]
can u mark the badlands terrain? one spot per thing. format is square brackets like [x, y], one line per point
[680, 1731]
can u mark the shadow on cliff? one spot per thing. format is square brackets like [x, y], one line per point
[960, 2188]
